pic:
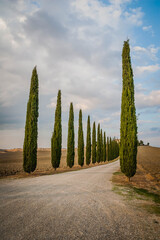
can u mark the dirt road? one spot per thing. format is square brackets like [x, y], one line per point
[72, 205]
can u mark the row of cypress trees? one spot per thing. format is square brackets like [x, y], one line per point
[96, 150]
[112, 148]
[128, 129]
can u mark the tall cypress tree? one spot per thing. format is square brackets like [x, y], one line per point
[98, 153]
[108, 148]
[104, 147]
[94, 143]
[88, 142]
[128, 130]
[56, 140]
[101, 138]
[70, 142]
[31, 127]
[80, 141]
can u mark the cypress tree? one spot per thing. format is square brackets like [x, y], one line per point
[101, 138]
[94, 143]
[80, 141]
[88, 142]
[128, 130]
[108, 148]
[31, 126]
[98, 153]
[70, 142]
[56, 140]
[104, 147]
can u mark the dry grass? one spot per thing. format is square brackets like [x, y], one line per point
[148, 171]
[11, 162]
[149, 159]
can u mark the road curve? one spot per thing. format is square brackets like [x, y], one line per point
[72, 205]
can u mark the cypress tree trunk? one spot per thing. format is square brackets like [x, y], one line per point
[88, 142]
[104, 147]
[56, 140]
[80, 141]
[94, 143]
[128, 130]
[31, 127]
[98, 154]
[101, 145]
[70, 142]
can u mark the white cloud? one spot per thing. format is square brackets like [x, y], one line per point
[3, 25]
[134, 16]
[147, 28]
[150, 100]
[75, 46]
[150, 69]
[145, 54]
[105, 120]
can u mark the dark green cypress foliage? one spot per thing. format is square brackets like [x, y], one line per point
[88, 142]
[101, 139]
[31, 127]
[108, 148]
[128, 130]
[98, 153]
[56, 140]
[94, 143]
[80, 141]
[104, 147]
[114, 148]
[70, 142]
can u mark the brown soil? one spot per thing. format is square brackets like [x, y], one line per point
[11, 163]
[148, 171]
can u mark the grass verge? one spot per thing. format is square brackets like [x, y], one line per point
[140, 197]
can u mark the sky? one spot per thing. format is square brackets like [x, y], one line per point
[77, 46]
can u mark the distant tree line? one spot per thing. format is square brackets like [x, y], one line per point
[141, 143]
[112, 148]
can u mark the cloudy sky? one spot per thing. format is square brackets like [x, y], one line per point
[77, 45]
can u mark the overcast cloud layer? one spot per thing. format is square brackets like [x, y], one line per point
[76, 45]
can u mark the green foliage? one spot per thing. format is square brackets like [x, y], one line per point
[94, 143]
[88, 142]
[70, 142]
[128, 130]
[112, 149]
[104, 147]
[107, 148]
[31, 127]
[101, 144]
[80, 141]
[98, 153]
[56, 140]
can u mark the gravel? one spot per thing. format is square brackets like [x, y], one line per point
[72, 205]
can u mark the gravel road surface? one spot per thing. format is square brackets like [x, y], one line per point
[72, 205]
